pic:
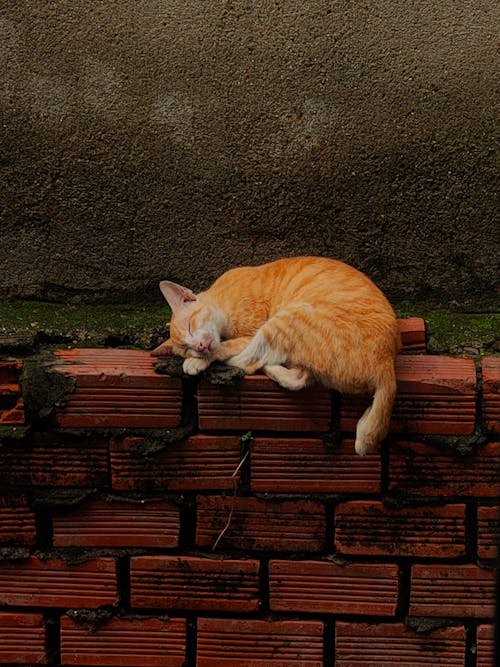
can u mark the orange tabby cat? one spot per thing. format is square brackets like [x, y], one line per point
[300, 320]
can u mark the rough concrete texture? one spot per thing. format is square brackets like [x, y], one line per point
[173, 139]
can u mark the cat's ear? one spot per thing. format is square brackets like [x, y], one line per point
[177, 296]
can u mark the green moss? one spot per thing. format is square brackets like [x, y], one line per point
[97, 325]
[457, 332]
[86, 325]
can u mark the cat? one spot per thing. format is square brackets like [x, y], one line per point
[300, 320]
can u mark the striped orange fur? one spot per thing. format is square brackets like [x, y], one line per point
[300, 320]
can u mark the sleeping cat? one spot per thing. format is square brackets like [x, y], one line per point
[300, 320]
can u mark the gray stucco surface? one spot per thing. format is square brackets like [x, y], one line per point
[148, 139]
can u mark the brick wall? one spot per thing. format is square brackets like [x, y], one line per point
[259, 538]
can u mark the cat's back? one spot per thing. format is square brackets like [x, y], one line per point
[296, 276]
[280, 273]
[316, 277]
[307, 279]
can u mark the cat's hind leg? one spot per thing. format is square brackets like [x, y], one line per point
[231, 347]
[289, 378]
[257, 354]
[272, 343]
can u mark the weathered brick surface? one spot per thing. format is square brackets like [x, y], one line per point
[55, 460]
[424, 470]
[452, 590]
[137, 642]
[486, 646]
[491, 393]
[320, 555]
[257, 403]
[371, 528]
[197, 463]
[17, 521]
[387, 644]
[321, 586]
[11, 401]
[256, 643]
[307, 465]
[118, 524]
[412, 331]
[53, 583]
[22, 638]
[436, 395]
[10, 373]
[488, 531]
[117, 388]
[184, 582]
[260, 524]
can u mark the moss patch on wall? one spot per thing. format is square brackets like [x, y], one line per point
[448, 332]
[89, 325]
[114, 325]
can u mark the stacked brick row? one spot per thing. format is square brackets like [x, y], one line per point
[254, 541]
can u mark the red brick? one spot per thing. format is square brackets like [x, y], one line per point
[300, 465]
[452, 590]
[325, 587]
[11, 401]
[485, 656]
[371, 528]
[22, 638]
[385, 644]
[260, 524]
[425, 470]
[137, 642]
[17, 521]
[117, 388]
[412, 331]
[198, 463]
[118, 524]
[491, 393]
[10, 373]
[488, 531]
[255, 643]
[53, 460]
[12, 411]
[54, 583]
[257, 403]
[436, 395]
[201, 584]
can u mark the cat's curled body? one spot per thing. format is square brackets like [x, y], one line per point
[300, 320]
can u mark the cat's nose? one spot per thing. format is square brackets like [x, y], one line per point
[201, 346]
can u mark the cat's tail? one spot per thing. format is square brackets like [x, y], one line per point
[374, 424]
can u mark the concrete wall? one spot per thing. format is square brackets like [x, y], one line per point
[147, 139]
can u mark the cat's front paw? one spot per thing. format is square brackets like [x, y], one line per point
[194, 365]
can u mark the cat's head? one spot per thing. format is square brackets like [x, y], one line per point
[193, 327]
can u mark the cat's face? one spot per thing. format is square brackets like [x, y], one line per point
[193, 329]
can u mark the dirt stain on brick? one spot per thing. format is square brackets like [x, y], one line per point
[151, 445]
[57, 498]
[92, 619]
[425, 624]
[223, 375]
[44, 387]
